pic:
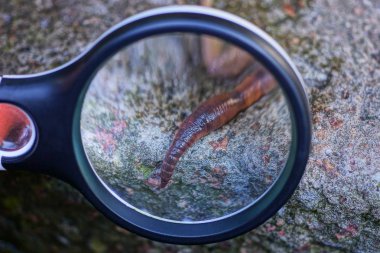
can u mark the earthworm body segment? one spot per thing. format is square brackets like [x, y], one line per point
[214, 113]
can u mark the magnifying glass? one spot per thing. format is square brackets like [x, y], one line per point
[182, 124]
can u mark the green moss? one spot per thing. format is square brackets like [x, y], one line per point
[97, 246]
[145, 170]
[12, 203]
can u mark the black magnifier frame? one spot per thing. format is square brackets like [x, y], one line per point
[54, 100]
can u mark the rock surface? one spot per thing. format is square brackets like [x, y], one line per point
[335, 45]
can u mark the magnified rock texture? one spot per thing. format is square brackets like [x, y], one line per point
[136, 103]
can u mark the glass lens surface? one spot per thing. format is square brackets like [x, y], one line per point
[16, 129]
[185, 127]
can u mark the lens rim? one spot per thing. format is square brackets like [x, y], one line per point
[235, 30]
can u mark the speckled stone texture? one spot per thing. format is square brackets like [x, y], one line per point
[336, 46]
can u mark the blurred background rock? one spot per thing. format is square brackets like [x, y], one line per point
[336, 46]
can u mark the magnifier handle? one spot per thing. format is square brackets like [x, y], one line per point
[49, 99]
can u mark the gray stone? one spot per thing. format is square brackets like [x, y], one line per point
[336, 46]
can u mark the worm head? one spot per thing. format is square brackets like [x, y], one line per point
[155, 180]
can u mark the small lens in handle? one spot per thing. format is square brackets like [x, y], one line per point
[17, 132]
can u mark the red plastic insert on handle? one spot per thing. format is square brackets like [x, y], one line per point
[15, 128]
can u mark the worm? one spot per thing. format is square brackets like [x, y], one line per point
[214, 113]
[220, 62]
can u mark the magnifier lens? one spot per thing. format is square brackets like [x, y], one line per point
[185, 127]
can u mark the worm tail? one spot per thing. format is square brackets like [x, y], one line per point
[168, 165]
[187, 134]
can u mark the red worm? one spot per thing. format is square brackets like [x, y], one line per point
[214, 113]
